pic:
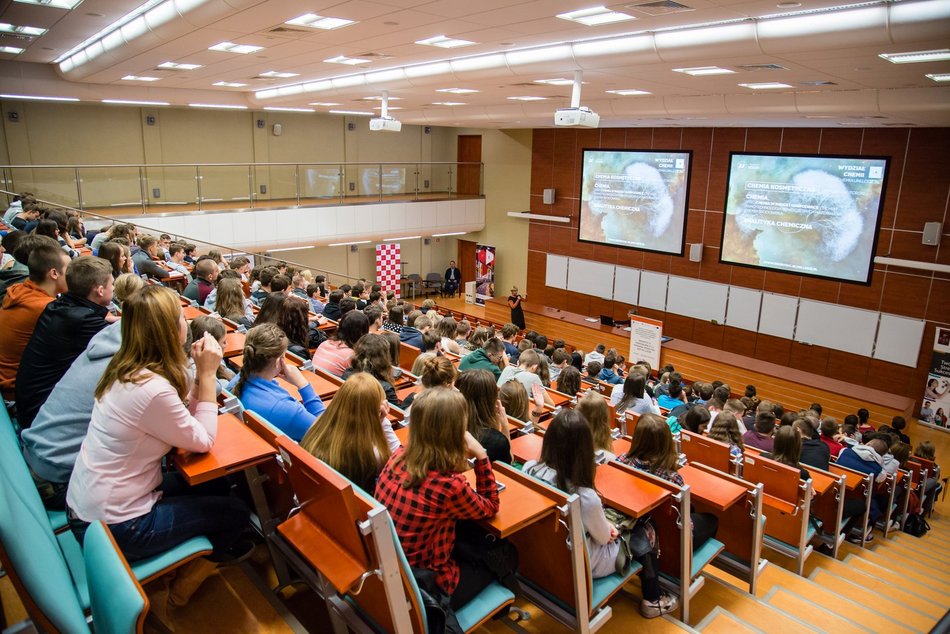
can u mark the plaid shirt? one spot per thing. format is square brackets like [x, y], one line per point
[425, 517]
[666, 474]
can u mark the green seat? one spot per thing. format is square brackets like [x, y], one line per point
[704, 554]
[605, 587]
[118, 602]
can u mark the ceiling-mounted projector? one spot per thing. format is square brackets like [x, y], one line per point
[385, 124]
[576, 117]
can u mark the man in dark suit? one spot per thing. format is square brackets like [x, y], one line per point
[453, 278]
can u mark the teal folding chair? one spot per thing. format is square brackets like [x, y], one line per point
[119, 604]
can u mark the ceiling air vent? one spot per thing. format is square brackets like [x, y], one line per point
[754, 68]
[818, 83]
[373, 56]
[286, 29]
[662, 7]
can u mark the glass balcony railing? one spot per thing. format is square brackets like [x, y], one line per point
[162, 188]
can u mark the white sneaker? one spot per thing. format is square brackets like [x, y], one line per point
[664, 605]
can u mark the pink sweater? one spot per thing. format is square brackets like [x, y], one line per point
[132, 428]
[333, 356]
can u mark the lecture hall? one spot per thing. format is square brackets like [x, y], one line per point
[405, 316]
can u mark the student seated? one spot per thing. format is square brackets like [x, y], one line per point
[630, 396]
[675, 396]
[144, 259]
[62, 332]
[334, 355]
[352, 435]
[489, 357]
[898, 424]
[815, 453]
[487, 419]
[726, 429]
[696, 419]
[292, 319]
[139, 416]
[786, 449]
[567, 463]
[12, 270]
[932, 487]
[760, 436]
[560, 360]
[518, 406]
[426, 494]
[527, 372]
[213, 325]
[596, 355]
[867, 458]
[569, 381]
[608, 373]
[176, 261]
[331, 310]
[830, 431]
[206, 272]
[594, 409]
[231, 304]
[372, 355]
[412, 335]
[448, 330]
[257, 390]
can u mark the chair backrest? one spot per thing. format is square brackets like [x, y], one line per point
[119, 604]
[407, 356]
[707, 451]
[433, 277]
[777, 479]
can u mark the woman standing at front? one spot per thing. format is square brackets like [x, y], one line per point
[139, 416]
[514, 303]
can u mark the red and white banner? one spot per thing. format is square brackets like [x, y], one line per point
[388, 266]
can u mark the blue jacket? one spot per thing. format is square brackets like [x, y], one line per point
[609, 376]
[412, 337]
[861, 458]
[282, 410]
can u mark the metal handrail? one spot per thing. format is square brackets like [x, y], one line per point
[232, 250]
[329, 164]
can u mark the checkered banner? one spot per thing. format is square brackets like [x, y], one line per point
[388, 265]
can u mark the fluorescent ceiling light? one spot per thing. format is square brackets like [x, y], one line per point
[457, 91]
[937, 55]
[325, 104]
[346, 244]
[595, 16]
[57, 4]
[32, 31]
[38, 98]
[353, 112]
[389, 108]
[12, 50]
[444, 42]
[379, 98]
[938, 76]
[557, 82]
[278, 74]
[454, 233]
[139, 78]
[283, 109]
[128, 102]
[231, 47]
[449, 103]
[229, 84]
[403, 238]
[349, 61]
[702, 71]
[315, 21]
[629, 92]
[177, 66]
[527, 98]
[290, 249]
[765, 85]
[217, 105]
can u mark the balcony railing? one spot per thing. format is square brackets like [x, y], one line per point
[163, 188]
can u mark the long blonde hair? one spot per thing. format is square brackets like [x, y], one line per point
[436, 436]
[594, 408]
[348, 435]
[150, 342]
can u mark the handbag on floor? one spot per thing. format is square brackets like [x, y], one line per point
[637, 538]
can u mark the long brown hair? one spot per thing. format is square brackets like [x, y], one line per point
[480, 392]
[230, 299]
[292, 319]
[653, 443]
[436, 436]
[595, 410]
[348, 435]
[786, 446]
[515, 399]
[568, 448]
[150, 342]
[263, 344]
[371, 354]
[726, 429]
[569, 381]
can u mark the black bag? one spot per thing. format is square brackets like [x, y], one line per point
[916, 525]
[315, 338]
[440, 617]
[475, 545]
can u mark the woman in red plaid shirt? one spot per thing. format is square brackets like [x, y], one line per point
[423, 487]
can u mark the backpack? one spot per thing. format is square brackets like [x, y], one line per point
[916, 525]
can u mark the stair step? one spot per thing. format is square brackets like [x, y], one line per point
[743, 605]
[934, 592]
[899, 564]
[827, 620]
[894, 609]
[917, 545]
[864, 617]
[721, 621]
[923, 561]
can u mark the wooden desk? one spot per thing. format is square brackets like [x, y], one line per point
[527, 447]
[626, 492]
[402, 393]
[403, 435]
[621, 446]
[518, 506]
[324, 388]
[558, 398]
[820, 482]
[236, 448]
[233, 344]
[852, 479]
[191, 312]
[717, 492]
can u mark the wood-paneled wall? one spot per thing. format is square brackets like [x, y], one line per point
[918, 191]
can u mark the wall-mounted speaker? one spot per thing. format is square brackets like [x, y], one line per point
[278, 129]
[548, 196]
[696, 252]
[932, 233]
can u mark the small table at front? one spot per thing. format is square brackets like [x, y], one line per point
[235, 449]
[626, 492]
[518, 506]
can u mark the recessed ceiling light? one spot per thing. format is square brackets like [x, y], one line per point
[139, 78]
[218, 105]
[454, 233]
[283, 109]
[936, 55]
[129, 102]
[391, 23]
[402, 238]
[277, 74]
[629, 92]
[561, 81]
[457, 91]
[701, 71]
[379, 98]
[595, 16]
[349, 61]
[938, 76]
[57, 4]
[444, 42]
[177, 66]
[527, 98]
[32, 31]
[353, 112]
[449, 103]
[12, 50]
[38, 98]
[765, 85]
[229, 84]
[315, 21]
[325, 104]
[231, 47]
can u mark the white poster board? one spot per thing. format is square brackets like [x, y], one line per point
[646, 337]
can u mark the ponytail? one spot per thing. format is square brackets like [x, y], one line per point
[263, 344]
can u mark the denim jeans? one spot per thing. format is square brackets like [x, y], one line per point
[182, 513]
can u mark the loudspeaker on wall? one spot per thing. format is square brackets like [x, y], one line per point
[696, 252]
[548, 196]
